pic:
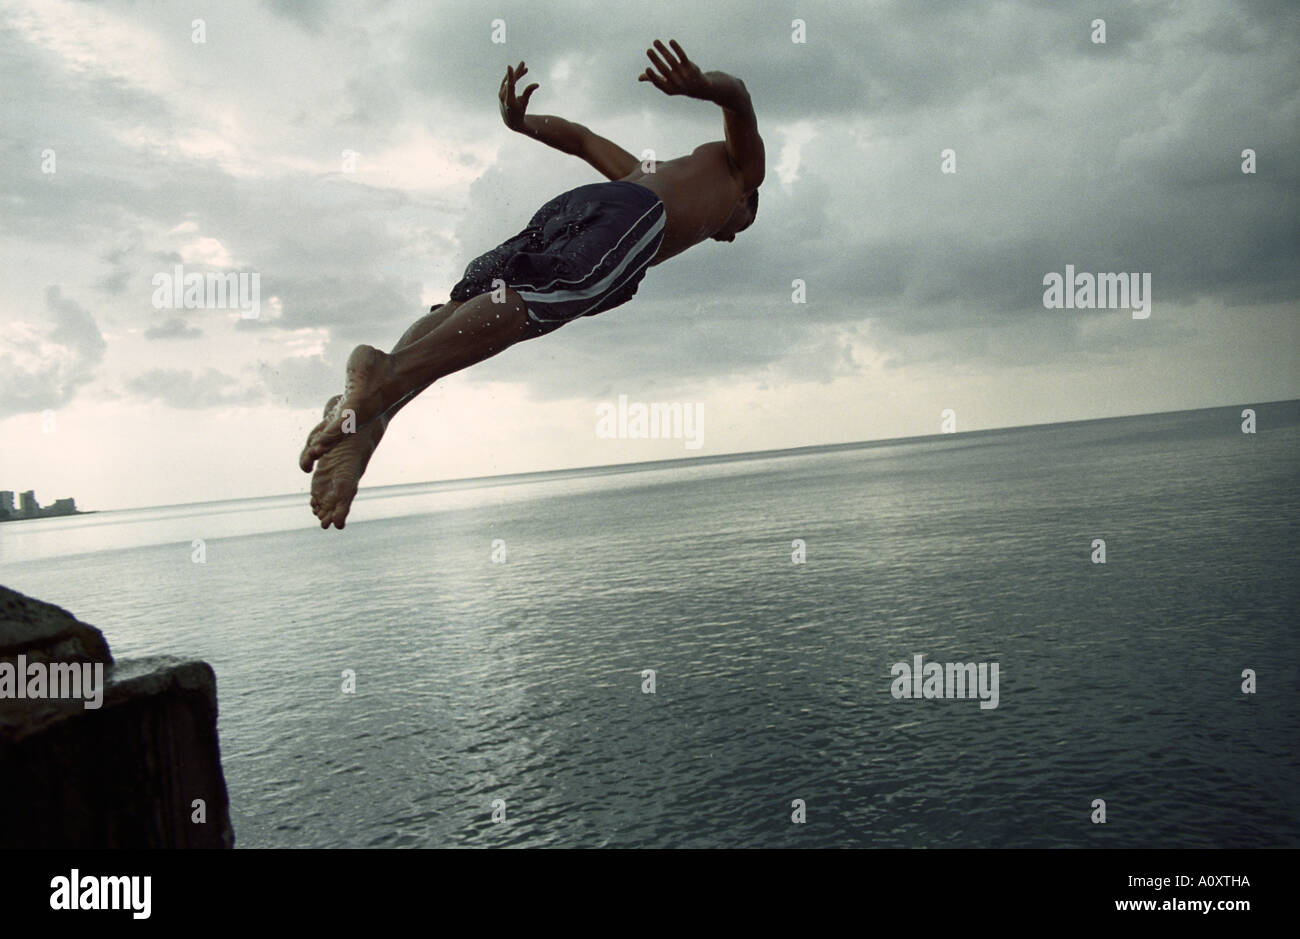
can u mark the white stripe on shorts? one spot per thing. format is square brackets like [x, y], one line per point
[603, 285]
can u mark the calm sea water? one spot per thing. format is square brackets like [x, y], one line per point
[522, 681]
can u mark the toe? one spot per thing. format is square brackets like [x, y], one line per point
[304, 457]
[341, 507]
[317, 448]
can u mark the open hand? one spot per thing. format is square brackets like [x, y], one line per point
[676, 75]
[513, 108]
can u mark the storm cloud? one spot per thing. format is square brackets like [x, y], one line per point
[928, 166]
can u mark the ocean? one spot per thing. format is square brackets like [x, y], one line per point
[504, 634]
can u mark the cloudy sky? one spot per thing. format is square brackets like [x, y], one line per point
[129, 148]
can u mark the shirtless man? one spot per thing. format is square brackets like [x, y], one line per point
[583, 252]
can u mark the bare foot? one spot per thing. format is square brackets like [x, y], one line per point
[328, 413]
[331, 411]
[362, 401]
[334, 484]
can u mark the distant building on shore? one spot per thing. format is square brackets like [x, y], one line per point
[28, 507]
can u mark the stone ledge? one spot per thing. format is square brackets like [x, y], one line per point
[124, 775]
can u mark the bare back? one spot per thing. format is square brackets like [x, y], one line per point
[699, 192]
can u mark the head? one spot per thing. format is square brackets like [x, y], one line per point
[742, 216]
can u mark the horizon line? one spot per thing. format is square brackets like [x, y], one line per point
[716, 457]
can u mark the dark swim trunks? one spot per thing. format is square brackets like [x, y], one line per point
[583, 253]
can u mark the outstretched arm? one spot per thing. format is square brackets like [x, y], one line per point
[678, 75]
[608, 158]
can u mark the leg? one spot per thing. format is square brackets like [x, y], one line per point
[417, 330]
[334, 483]
[379, 383]
[475, 330]
[338, 471]
[427, 323]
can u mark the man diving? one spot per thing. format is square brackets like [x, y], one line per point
[582, 253]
